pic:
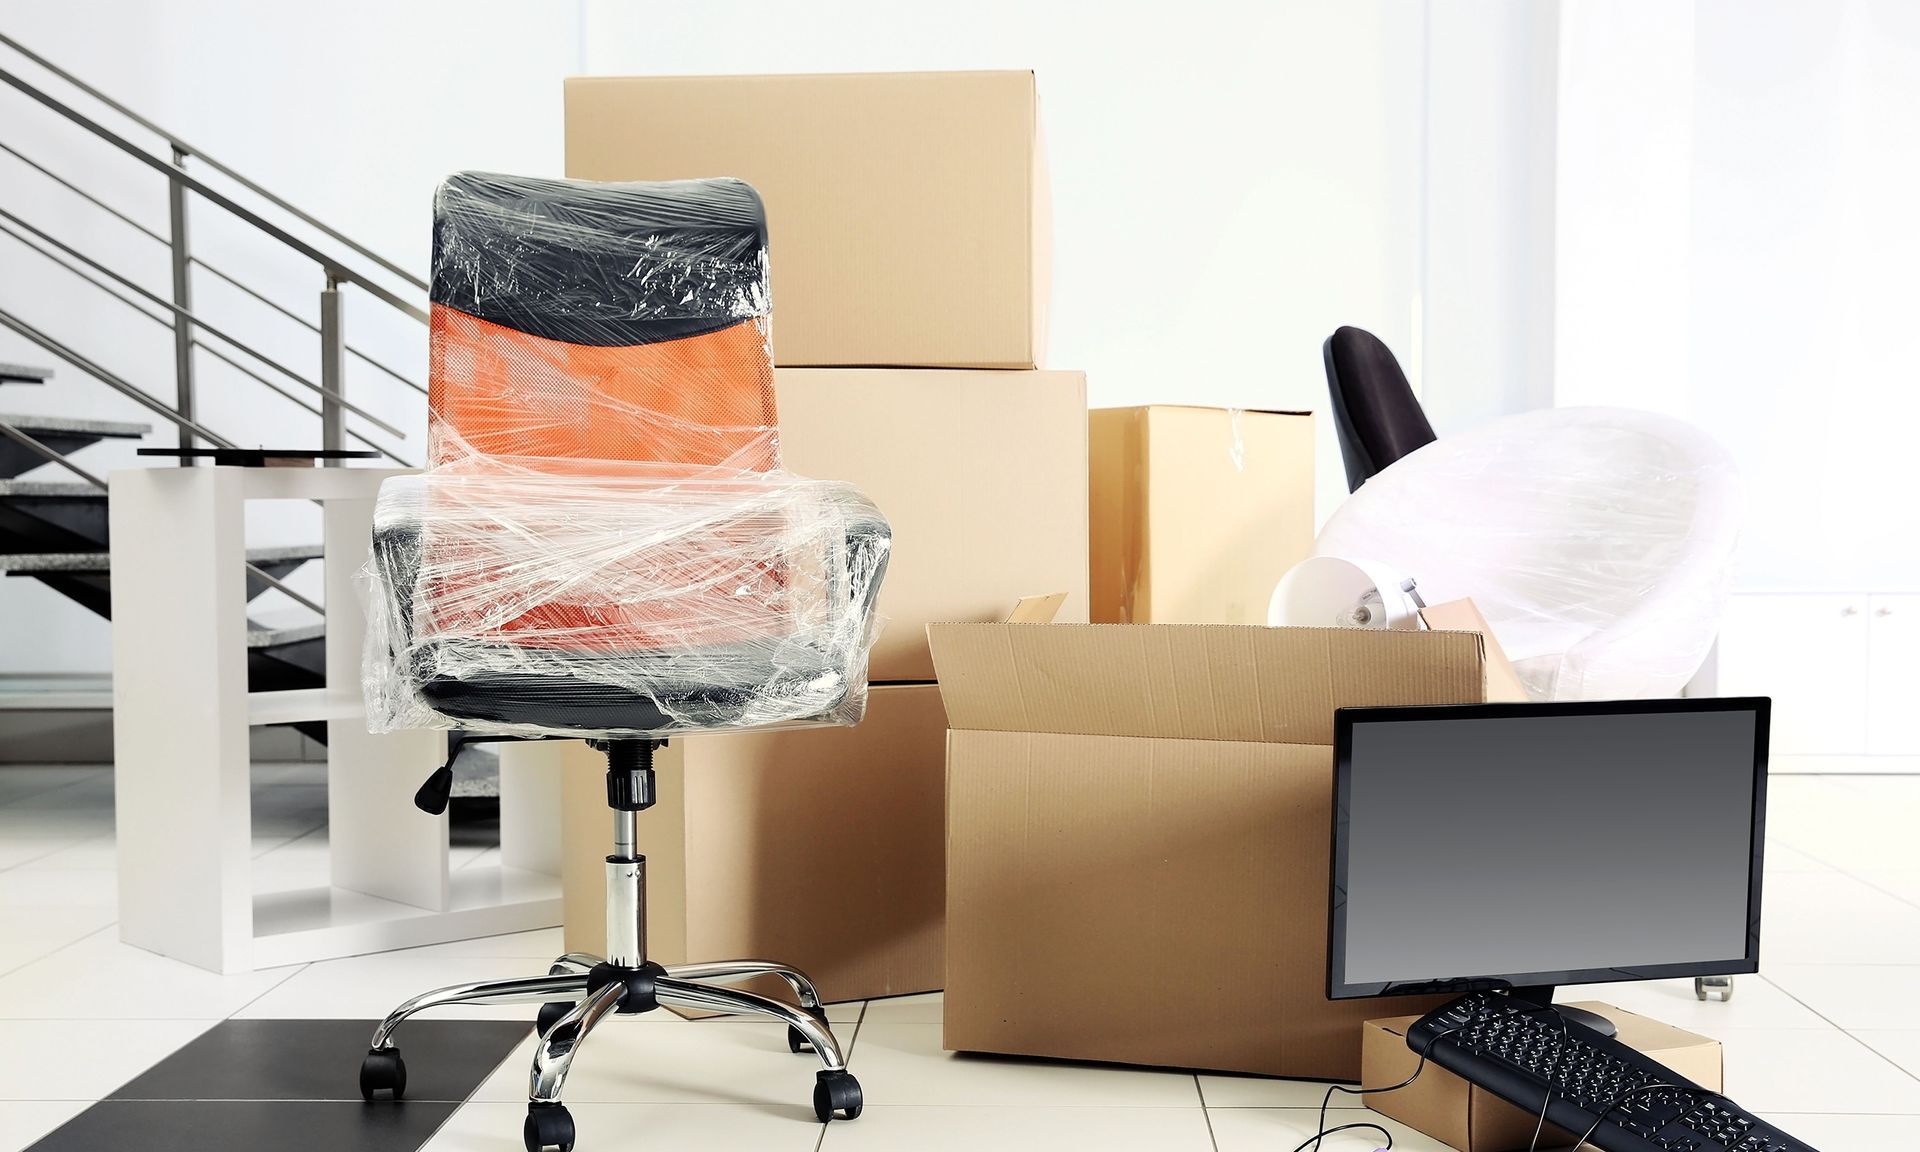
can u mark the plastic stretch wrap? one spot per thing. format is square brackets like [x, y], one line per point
[605, 544]
[619, 603]
[1597, 543]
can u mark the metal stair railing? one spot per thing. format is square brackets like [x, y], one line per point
[180, 314]
[192, 331]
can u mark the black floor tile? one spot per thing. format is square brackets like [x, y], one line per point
[319, 1060]
[251, 1125]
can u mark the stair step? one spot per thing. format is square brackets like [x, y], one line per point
[26, 563]
[283, 552]
[263, 637]
[30, 562]
[75, 425]
[52, 489]
[24, 374]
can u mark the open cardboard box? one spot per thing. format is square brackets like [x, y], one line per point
[1138, 833]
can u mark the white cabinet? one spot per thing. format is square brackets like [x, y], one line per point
[1843, 669]
[1809, 652]
[1893, 675]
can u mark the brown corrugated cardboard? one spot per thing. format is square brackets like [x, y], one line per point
[818, 847]
[1138, 822]
[907, 212]
[1154, 560]
[982, 474]
[1503, 683]
[1472, 1119]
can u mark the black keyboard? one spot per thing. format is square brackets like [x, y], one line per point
[1518, 1051]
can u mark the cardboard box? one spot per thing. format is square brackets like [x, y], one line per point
[1503, 683]
[1138, 833]
[982, 474]
[907, 212]
[818, 847]
[1473, 1119]
[1196, 513]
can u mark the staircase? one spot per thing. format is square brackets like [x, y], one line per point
[53, 506]
[55, 531]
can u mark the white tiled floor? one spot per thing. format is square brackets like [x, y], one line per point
[1826, 1041]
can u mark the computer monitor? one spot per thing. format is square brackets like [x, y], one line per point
[1523, 846]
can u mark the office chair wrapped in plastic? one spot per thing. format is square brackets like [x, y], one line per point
[1597, 542]
[605, 546]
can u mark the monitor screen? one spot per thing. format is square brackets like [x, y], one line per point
[1534, 844]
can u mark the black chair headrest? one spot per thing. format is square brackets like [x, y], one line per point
[608, 264]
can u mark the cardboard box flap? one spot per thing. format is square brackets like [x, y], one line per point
[1503, 683]
[1192, 681]
[1037, 609]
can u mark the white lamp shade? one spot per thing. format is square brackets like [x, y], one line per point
[1334, 592]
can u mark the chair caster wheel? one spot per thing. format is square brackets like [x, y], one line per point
[383, 1069]
[550, 1015]
[836, 1095]
[797, 1040]
[548, 1126]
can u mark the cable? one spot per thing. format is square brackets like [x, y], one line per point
[1312, 1143]
[1546, 1087]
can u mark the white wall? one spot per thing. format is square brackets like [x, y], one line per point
[1736, 181]
[1487, 340]
[1806, 282]
[1231, 181]
[1623, 204]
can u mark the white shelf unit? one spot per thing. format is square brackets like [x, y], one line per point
[181, 764]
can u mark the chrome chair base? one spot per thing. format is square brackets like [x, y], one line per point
[581, 990]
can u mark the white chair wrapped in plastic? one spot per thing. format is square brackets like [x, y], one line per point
[1597, 542]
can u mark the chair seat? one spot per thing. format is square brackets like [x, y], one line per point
[744, 685]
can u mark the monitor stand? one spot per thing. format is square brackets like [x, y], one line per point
[1542, 994]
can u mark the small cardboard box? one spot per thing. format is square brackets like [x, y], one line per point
[907, 212]
[818, 847]
[983, 476]
[1138, 827]
[1473, 1119]
[1196, 513]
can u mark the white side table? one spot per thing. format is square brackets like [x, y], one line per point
[181, 763]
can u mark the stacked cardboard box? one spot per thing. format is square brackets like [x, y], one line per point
[908, 240]
[1155, 561]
